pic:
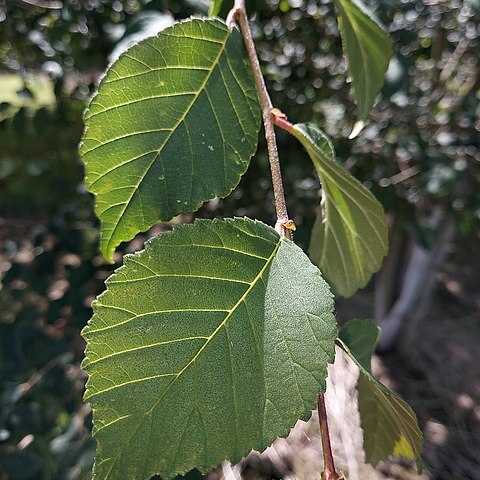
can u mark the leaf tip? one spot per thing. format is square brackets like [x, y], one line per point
[107, 254]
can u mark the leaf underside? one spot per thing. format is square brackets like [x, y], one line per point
[174, 123]
[368, 49]
[212, 341]
[350, 234]
[389, 425]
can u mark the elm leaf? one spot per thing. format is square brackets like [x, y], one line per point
[216, 8]
[368, 49]
[212, 341]
[174, 123]
[389, 425]
[350, 234]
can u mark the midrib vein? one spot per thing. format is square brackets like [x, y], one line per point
[182, 118]
[227, 317]
[202, 348]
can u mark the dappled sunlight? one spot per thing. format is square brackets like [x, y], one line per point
[174, 124]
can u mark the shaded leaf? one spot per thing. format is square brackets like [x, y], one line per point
[368, 49]
[361, 336]
[211, 342]
[216, 8]
[349, 237]
[221, 8]
[389, 425]
[174, 123]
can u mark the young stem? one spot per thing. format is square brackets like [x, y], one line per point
[239, 13]
[329, 472]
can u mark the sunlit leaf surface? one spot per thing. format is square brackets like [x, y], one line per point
[211, 342]
[174, 123]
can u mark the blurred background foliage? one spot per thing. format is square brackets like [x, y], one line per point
[419, 153]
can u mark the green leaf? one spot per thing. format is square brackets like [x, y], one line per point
[350, 234]
[221, 8]
[212, 341]
[174, 123]
[389, 425]
[216, 8]
[368, 49]
[361, 336]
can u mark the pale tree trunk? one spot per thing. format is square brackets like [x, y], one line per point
[388, 279]
[446, 237]
[399, 315]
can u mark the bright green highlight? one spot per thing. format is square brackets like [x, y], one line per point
[350, 235]
[389, 425]
[174, 123]
[212, 341]
[11, 99]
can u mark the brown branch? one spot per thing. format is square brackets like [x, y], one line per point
[284, 226]
[273, 116]
[329, 472]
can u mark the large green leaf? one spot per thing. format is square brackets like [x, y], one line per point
[174, 123]
[389, 425]
[350, 235]
[211, 342]
[368, 49]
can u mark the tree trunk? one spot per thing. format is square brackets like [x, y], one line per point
[401, 316]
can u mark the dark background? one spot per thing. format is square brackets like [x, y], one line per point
[419, 153]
